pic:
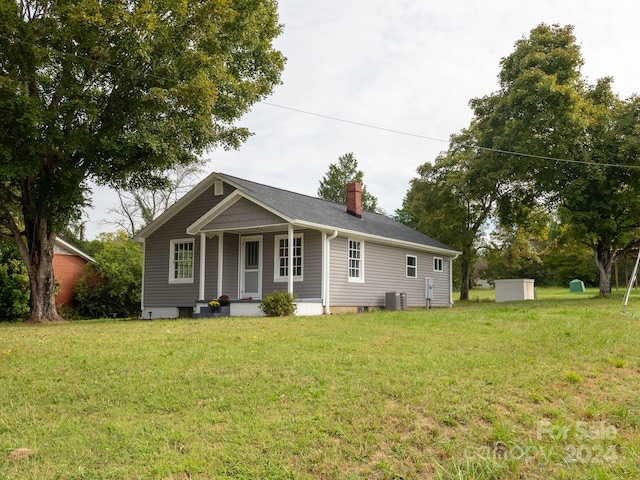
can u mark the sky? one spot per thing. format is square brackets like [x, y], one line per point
[390, 81]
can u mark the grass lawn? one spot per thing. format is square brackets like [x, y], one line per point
[540, 389]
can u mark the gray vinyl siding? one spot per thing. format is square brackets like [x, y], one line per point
[385, 271]
[158, 291]
[230, 266]
[243, 214]
[311, 286]
[384, 266]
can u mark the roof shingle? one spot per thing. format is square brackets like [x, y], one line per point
[332, 215]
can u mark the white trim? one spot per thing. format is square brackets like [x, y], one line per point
[276, 258]
[174, 209]
[290, 259]
[360, 250]
[220, 262]
[326, 264]
[250, 238]
[378, 239]
[228, 202]
[208, 183]
[203, 258]
[144, 262]
[212, 213]
[60, 243]
[414, 266]
[172, 243]
[441, 261]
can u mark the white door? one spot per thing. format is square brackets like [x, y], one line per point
[251, 267]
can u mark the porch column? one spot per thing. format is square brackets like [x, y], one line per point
[203, 254]
[290, 259]
[220, 261]
[327, 271]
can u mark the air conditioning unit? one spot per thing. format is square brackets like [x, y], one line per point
[396, 300]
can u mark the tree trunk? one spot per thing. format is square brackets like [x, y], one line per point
[604, 260]
[465, 266]
[38, 258]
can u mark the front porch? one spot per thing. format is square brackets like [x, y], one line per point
[251, 308]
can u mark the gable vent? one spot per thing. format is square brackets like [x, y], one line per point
[218, 188]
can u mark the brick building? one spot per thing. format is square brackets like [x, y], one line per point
[67, 269]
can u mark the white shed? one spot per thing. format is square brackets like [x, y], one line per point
[514, 289]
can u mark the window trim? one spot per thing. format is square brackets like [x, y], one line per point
[438, 264]
[360, 277]
[172, 261]
[276, 258]
[414, 266]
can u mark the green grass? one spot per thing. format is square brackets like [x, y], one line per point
[538, 389]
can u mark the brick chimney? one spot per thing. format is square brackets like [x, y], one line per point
[354, 199]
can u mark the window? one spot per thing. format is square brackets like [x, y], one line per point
[412, 266]
[437, 264]
[181, 261]
[281, 258]
[356, 259]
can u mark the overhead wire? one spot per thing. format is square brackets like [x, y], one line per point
[350, 122]
[416, 135]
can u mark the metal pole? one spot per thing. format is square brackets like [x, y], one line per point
[631, 280]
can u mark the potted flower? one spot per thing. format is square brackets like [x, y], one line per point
[214, 305]
[225, 303]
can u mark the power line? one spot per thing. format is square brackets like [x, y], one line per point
[342, 120]
[416, 135]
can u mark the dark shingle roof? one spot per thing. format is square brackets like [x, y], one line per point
[301, 207]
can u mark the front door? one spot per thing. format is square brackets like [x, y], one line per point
[251, 267]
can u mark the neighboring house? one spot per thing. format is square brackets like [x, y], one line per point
[68, 262]
[231, 236]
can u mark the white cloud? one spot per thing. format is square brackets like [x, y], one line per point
[407, 65]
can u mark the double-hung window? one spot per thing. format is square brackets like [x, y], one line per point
[181, 261]
[281, 256]
[437, 264]
[412, 266]
[356, 261]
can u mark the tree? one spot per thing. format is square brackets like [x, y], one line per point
[116, 92]
[515, 253]
[332, 185]
[453, 199]
[112, 285]
[140, 206]
[14, 284]
[581, 143]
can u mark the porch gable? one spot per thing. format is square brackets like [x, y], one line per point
[236, 212]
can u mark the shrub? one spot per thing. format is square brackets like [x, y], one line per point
[278, 304]
[14, 284]
[111, 286]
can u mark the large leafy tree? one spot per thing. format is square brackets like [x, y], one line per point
[116, 92]
[332, 185]
[580, 143]
[453, 199]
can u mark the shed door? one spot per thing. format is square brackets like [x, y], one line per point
[251, 268]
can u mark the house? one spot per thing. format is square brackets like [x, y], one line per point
[231, 236]
[68, 262]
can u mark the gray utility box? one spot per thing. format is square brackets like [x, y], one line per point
[396, 300]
